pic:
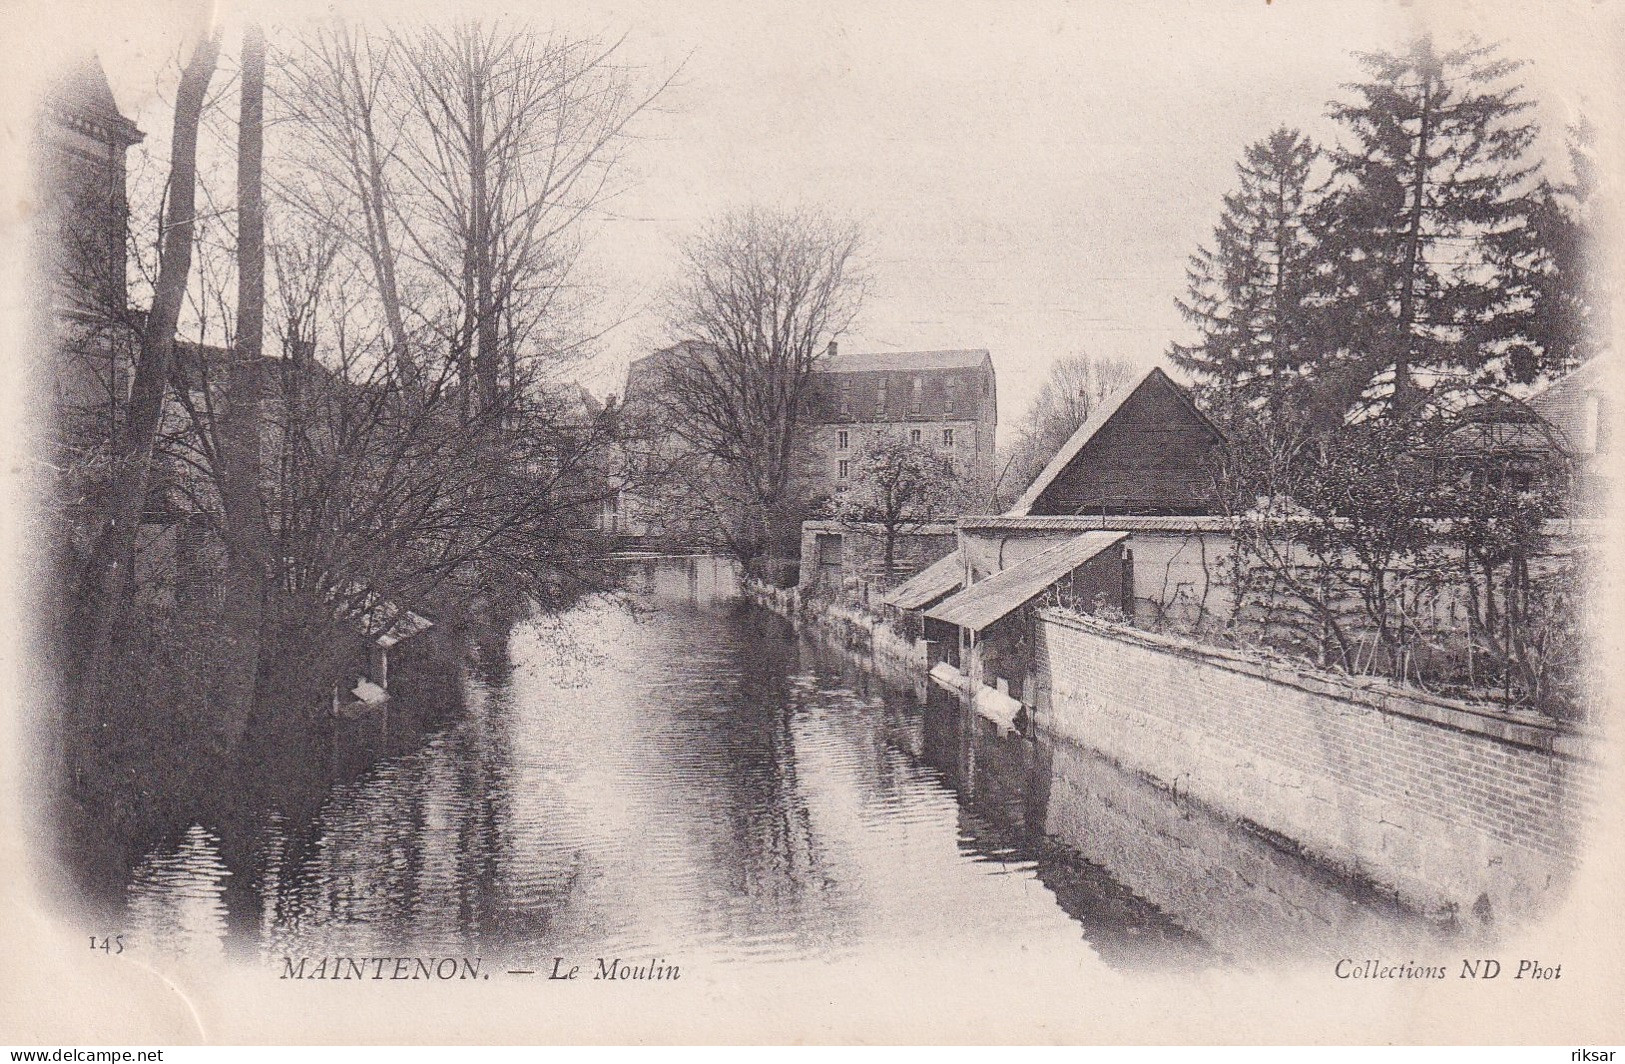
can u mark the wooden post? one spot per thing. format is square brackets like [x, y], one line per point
[1128, 584]
[380, 666]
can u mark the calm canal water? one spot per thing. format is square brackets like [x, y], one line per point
[694, 781]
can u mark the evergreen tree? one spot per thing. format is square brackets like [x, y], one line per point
[1432, 182]
[1553, 270]
[1252, 295]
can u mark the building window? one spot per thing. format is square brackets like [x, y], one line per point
[846, 398]
[913, 435]
[880, 401]
[843, 468]
[948, 395]
[918, 389]
[843, 440]
[947, 437]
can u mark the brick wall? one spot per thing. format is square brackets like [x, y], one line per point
[1451, 810]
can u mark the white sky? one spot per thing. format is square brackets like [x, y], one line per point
[1031, 176]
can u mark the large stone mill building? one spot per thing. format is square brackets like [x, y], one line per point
[942, 399]
[947, 400]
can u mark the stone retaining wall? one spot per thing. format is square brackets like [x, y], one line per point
[1459, 811]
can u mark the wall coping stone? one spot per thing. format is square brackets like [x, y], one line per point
[1512, 726]
[935, 528]
[1565, 528]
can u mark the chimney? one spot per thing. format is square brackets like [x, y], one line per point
[829, 352]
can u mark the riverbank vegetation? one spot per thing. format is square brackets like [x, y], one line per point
[1372, 317]
[349, 421]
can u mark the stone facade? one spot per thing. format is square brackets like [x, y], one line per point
[947, 400]
[80, 145]
[1462, 812]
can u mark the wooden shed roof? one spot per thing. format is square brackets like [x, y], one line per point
[1006, 591]
[941, 577]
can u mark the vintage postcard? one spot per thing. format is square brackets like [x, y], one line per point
[715, 522]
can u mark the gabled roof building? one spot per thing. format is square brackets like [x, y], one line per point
[1146, 450]
[83, 139]
[80, 142]
[1579, 409]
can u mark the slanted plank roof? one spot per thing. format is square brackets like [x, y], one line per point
[929, 584]
[988, 600]
[384, 622]
[1097, 421]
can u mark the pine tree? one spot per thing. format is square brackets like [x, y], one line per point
[1552, 272]
[1432, 180]
[1252, 296]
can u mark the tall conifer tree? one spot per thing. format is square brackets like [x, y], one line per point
[1433, 178]
[1252, 295]
[1554, 272]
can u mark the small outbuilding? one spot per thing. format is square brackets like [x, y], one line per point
[910, 599]
[984, 632]
[1146, 450]
[1579, 409]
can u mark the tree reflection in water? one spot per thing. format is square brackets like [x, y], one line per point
[697, 781]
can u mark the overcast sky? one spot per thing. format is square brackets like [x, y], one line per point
[1031, 176]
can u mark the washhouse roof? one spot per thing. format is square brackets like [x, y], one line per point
[929, 584]
[1006, 591]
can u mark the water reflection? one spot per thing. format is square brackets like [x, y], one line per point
[176, 897]
[697, 782]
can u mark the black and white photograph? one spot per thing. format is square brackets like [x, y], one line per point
[1059, 522]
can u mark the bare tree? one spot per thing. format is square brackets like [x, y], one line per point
[240, 482]
[425, 448]
[330, 99]
[384, 480]
[899, 487]
[107, 579]
[462, 162]
[762, 293]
